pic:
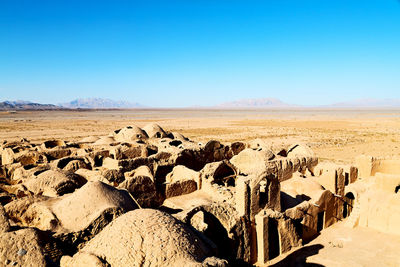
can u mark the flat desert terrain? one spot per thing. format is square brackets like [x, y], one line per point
[334, 135]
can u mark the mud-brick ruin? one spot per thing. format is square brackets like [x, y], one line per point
[147, 197]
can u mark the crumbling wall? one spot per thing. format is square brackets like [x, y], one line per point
[381, 211]
[276, 234]
[369, 165]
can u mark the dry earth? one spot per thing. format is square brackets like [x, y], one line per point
[339, 246]
[335, 135]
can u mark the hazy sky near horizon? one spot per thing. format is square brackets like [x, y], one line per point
[187, 53]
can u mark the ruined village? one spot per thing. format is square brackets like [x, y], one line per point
[150, 197]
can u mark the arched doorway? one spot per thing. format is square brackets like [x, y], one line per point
[348, 203]
[217, 233]
[225, 175]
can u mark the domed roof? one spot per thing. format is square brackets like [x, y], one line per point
[146, 237]
[154, 130]
[129, 134]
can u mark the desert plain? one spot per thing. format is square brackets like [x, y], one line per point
[335, 136]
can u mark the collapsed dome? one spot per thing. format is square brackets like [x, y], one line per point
[154, 130]
[129, 134]
[145, 237]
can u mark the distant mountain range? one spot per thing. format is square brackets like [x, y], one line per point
[256, 103]
[276, 103]
[99, 103]
[369, 103]
[25, 105]
[81, 103]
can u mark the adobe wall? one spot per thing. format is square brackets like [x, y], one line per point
[369, 165]
[259, 190]
[276, 234]
[387, 182]
[336, 177]
[381, 211]
[331, 207]
[287, 166]
[332, 179]
[248, 186]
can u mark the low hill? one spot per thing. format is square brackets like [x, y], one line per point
[99, 103]
[256, 103]
[369, 103]
[25, 105]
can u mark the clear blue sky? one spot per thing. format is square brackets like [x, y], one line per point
[199, 52]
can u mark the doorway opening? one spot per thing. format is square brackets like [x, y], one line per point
[346, 178]
[348, 204]
[320, 221]
[273, 239]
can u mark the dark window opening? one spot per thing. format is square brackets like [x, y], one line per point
[159, 176]
[320, 222]
[98, 161]
[345, 209]
[273, 239]
[263, 194]
[349, 196]
[397, 189]
[230, 182]
[298, 226]
[175, 143]
[346, 178]
[220, 182]
[348, 204]
[151, 150]
[30, 166]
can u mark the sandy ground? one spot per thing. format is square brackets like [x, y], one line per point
[339, 245]
[337, 135]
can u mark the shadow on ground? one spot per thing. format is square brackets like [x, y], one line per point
[298, 258]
